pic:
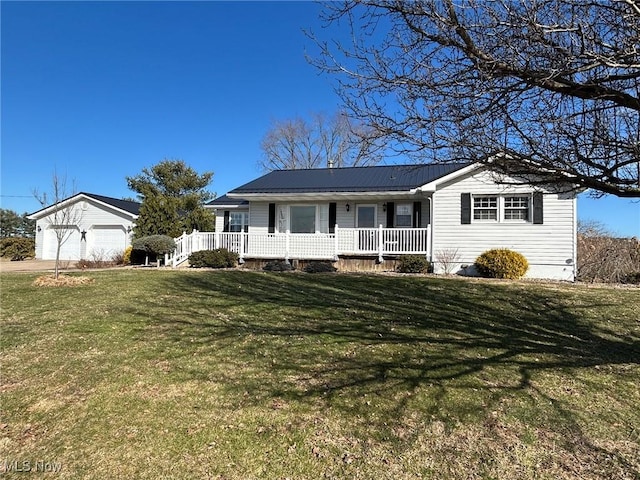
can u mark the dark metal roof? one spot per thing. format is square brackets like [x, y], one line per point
[224, 201]
[352, 179]
[129, 206]
[126, 205]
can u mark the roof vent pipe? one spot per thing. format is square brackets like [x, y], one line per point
[330, 163]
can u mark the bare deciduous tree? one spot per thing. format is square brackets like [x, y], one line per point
[319, 142]
[64, 218]
[545, 89]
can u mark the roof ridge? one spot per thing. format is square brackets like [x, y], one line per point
[98, 196]
[417, 165]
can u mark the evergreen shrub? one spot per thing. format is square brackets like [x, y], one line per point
[218, 258]
[17, 248]
[413, 264]
[278, 266]
[502, 263]
[319, 267]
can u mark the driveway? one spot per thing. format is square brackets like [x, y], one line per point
[31, 265]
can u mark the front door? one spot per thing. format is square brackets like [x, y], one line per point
[366, 219]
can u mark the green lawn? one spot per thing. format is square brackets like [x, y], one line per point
[240, 375]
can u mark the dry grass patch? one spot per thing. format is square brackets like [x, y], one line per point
[61, 281]
[243, 375]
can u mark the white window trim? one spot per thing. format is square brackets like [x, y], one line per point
[501, 208]
[529, 209]
[245, 219]
[395, 215]
[316, 221]
[375, 212]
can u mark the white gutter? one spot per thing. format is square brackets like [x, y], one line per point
[292, 196]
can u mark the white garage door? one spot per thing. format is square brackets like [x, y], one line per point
[70, 249]
[104, 241]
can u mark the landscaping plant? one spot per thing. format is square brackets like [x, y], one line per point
[502, 263]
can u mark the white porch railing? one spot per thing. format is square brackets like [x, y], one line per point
[309, 246]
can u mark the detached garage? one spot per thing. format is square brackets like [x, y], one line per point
[90, 226]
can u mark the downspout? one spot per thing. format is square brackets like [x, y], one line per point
[430, 225]
[575, 237]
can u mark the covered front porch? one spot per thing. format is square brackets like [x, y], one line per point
[378, 242]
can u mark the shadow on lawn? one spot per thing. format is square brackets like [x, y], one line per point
[462, 327]
[348, 339]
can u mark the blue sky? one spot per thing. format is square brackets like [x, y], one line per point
[100, 90]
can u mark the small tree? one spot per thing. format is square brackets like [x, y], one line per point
[173, 197]
[64, 217]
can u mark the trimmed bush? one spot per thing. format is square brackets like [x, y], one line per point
[319, 267]
[156, 244]
[278, 266]
[502, 263]
[17, 248]
[218, 258]
[412, 264]
[151, 247]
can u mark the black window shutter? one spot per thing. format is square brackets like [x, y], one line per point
[465, 210]
[332, 217]
[272, 218]
[537, 208]
[417, 214]
[225, 228]
[390, 211]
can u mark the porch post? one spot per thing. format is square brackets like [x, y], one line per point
[335, 232]
[286, 245]
[216, 239]
[241, 253]
[429, 242]
[380, 243]
[197, 239]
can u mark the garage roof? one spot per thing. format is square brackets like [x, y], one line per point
[129, 206]
[126, 205]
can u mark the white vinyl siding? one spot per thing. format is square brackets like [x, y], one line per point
[106, 229]
[549, 247]
[259, 217]
[345, 219]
